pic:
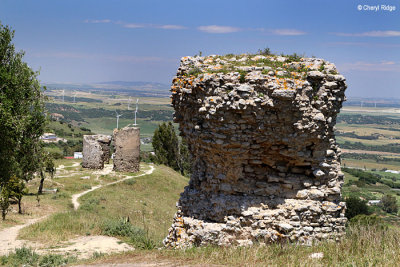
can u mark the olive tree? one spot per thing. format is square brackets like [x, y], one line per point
[22, 117]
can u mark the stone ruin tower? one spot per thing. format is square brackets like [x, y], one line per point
[265, 163]
[96, 151]
[127, 149]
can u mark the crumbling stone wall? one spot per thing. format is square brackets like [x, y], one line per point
[265, 163]
[127, 149]
[96, 151]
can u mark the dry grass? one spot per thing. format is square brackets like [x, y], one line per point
[364, 246]
[149, 202]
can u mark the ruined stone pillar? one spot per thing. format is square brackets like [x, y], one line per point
[265, 163]
[127, 149]
[96, 151]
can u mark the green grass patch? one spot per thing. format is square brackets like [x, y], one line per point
[27, 257]
[149, 203]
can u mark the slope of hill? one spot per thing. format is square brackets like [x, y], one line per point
[149, 202]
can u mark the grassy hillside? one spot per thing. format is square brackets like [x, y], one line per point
[73, 134]
[148, 201]
[67, 130]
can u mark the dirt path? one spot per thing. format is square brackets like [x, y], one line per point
[82, 247]
[105, 172]
[85, 246]
[8, 237]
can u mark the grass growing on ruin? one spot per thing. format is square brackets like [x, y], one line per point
[224, 64]
[148, 201]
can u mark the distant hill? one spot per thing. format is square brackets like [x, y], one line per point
[137, 83]
[137, 88]
[373, 102]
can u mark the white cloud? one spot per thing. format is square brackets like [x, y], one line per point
[152, 26]
[171, 27]
[218, 29]
[371, 34]
[288, 32]
[133, 25]
[137, 25]
[97, 21]
[371, 66]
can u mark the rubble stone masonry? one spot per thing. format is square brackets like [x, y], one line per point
[96, 151]
[265, 163]
[127, 149]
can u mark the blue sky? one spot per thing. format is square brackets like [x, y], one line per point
[97, 40]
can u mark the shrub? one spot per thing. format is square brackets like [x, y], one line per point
[389, 204]
[367, 177]
[294, 57]
[21, 256]
[90, 204]
[55, 260]
[122, 227]
[130, 182]
[356, 206]
[97, 255]
[194, 71]
[242, 78]
[27, 257]
[265, 52]
[60, 195]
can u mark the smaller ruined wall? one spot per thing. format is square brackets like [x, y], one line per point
[96, 151]
[127, 149]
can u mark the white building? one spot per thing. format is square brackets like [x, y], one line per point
[51, 138]
[392, 171]
[78, 155]
[373, 202]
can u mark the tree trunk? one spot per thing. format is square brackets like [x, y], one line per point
[19, 205]
[41, 183]
[3, 214]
